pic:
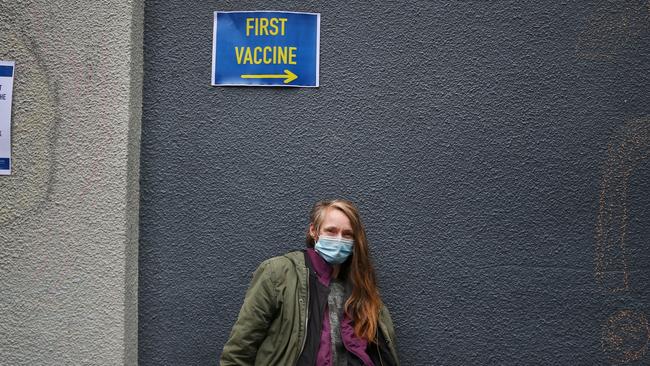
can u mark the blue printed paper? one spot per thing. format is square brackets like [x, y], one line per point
[6, 95]
[265, 48]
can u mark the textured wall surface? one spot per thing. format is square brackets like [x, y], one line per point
[69, 212]
[498, 152]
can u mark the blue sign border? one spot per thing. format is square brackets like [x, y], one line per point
[317, 56]
[6, 71]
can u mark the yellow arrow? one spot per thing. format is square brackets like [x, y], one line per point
[288, 76]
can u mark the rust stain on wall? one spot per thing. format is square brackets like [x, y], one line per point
[625, 334]
[613, 27]
[624, 155]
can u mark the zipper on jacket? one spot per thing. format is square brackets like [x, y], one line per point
[381, 362]
[304, 336]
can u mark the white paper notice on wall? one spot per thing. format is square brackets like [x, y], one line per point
[6, 89]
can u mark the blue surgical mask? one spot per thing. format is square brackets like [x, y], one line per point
[334, 250]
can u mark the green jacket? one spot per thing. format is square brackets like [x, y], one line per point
[272, 323]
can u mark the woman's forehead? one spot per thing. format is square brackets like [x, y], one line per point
[335, 217]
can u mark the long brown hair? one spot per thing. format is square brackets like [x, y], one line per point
[364, 303]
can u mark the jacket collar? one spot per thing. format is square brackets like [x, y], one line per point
[320, 266]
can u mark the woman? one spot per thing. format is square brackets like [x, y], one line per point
[319, 306]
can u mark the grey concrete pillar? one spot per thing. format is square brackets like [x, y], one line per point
[69, 212]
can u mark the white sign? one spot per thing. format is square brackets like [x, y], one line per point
[6, 88]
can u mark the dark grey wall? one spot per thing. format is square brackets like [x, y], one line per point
[472, 135]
